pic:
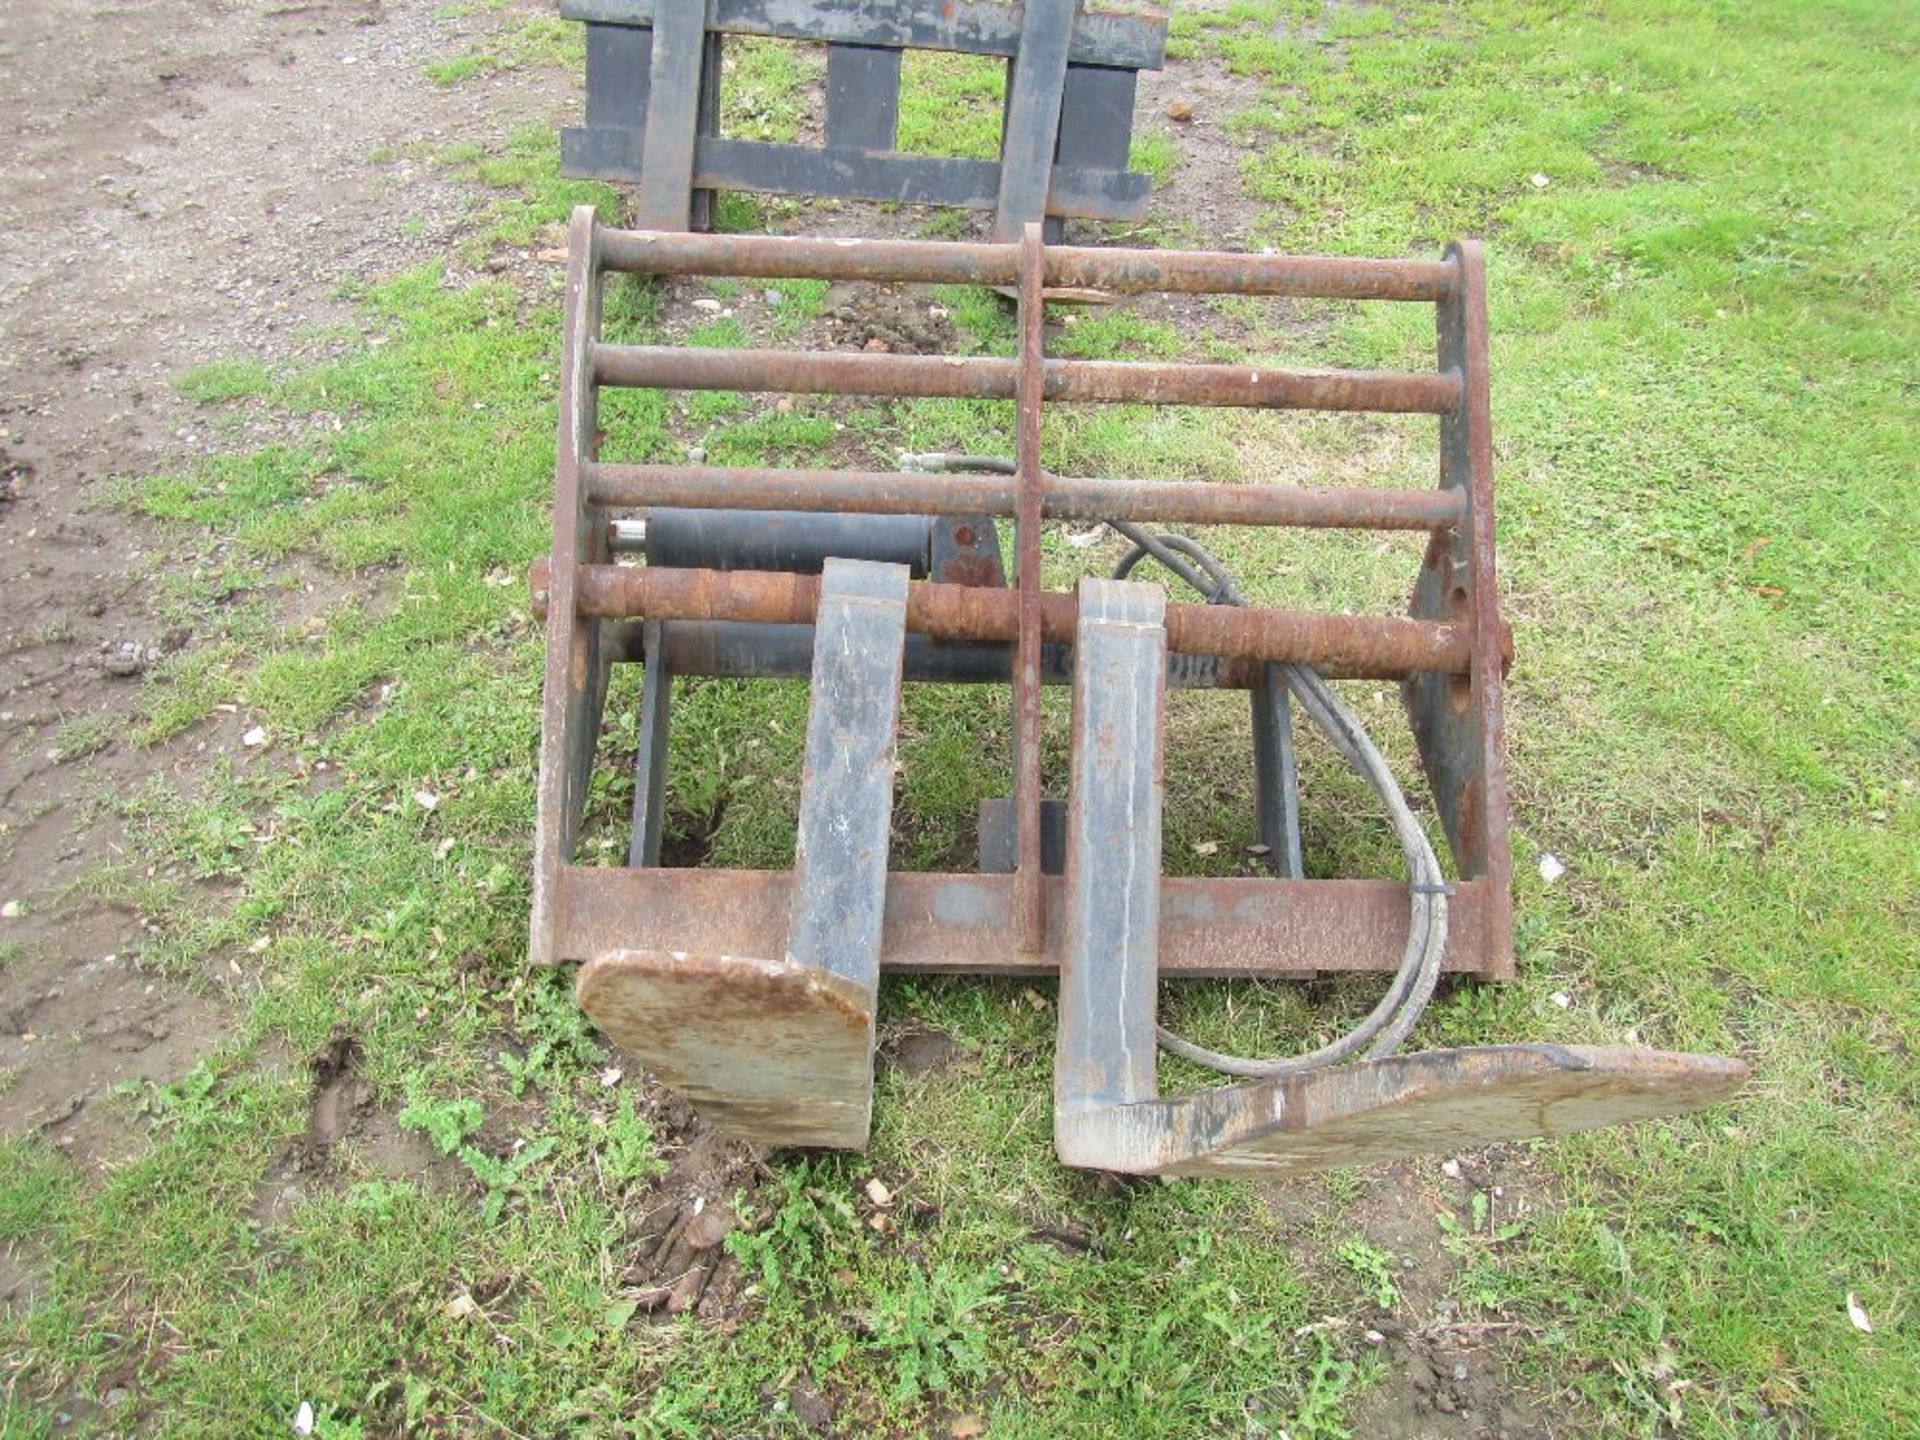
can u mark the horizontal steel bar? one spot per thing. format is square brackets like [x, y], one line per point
[1134, 42]
[1212, 272]
[1362, 647]
[883, 492]
[980, 377]
[1123, 271]
[963, 924]
[1076, 192]
[785, 652]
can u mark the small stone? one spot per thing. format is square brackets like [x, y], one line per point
[878, 1193]
[1551, 869]
[696, 455]
[254, 738]
[707, 304]
[711, 1226]
[10, 910]
[426, 800]
[1540, 182]
[125, 660]
[1181, 110]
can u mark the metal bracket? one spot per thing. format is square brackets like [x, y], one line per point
[782, 1050]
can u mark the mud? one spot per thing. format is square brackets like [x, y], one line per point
[676, 1261]
[348, 1138]
[888, 321]
[1204, 200]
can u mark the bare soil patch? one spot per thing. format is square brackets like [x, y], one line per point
[1206, 193]
[1449, 1366]
[347, 1135]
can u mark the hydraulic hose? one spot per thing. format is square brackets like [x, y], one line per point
[1385, 1028]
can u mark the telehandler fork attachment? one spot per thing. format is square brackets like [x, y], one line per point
[755, 992]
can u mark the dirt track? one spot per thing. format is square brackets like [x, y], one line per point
[188, 182]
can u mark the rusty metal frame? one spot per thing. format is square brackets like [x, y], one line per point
[755, 993]
[1448, 654]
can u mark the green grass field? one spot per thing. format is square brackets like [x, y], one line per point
[1699, 218]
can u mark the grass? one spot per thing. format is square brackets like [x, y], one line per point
[764, 88]
[532, 41]
[1703, 337]
[950, 104]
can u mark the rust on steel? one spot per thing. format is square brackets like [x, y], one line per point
[1068, 267]
[981, 377]
[570, 691]
[767, 1049]
[1435, 1100]
[887, 492]
[1029, 901]
[1348, 646]
[963, 924]
[1468, 309]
